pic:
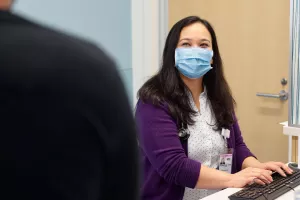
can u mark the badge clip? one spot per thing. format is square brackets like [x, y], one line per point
[225, 133]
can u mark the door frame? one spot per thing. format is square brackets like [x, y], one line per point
[149, 31]
[292, 65]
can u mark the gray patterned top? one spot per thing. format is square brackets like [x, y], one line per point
[205, 144]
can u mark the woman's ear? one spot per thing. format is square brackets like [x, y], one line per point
[211, 61]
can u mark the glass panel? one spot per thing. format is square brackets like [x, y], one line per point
[126, 75]
[106, 23]
[294, 111]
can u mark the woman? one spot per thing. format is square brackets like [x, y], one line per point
[187, 124]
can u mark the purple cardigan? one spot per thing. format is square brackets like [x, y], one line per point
[166, 168]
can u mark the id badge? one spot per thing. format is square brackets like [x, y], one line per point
[225, 161]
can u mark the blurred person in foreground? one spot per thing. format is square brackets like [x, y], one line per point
[66, 126]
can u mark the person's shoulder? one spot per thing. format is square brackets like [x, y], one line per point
[148, 108]
[54, 43]
[148, 114]
[77, 66]
[77, 46]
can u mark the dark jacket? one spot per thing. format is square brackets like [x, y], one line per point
[66, 127]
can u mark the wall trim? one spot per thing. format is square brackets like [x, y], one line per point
[149, 29]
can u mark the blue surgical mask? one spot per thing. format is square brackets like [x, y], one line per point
[193, 62]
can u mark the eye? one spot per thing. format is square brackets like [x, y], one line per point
[204, 45]
[185, 44]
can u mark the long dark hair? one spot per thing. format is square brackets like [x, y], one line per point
[166, 87]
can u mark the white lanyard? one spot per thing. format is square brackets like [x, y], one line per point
[225, 160]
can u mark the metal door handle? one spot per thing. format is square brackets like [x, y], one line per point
[283, 95]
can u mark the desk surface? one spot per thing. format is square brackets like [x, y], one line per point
[222, 195]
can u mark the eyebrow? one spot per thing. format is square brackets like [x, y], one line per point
[191, 39]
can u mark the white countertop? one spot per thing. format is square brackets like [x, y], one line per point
[227, 192]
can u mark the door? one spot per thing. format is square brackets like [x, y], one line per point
[253, 38]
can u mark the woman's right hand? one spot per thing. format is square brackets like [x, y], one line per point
[248, 176]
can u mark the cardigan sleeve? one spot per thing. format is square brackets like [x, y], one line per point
[159, 140]
[241, 149]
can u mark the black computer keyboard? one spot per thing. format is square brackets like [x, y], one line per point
[278, 187]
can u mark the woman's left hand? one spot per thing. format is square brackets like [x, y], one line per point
[279, 167]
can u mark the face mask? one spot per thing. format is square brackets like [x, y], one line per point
[193, 62]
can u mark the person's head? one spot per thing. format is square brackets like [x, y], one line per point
[168, 87]
[5, 4]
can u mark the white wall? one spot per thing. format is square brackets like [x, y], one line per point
[149, 30]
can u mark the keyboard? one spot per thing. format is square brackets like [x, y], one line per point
[278, 187]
